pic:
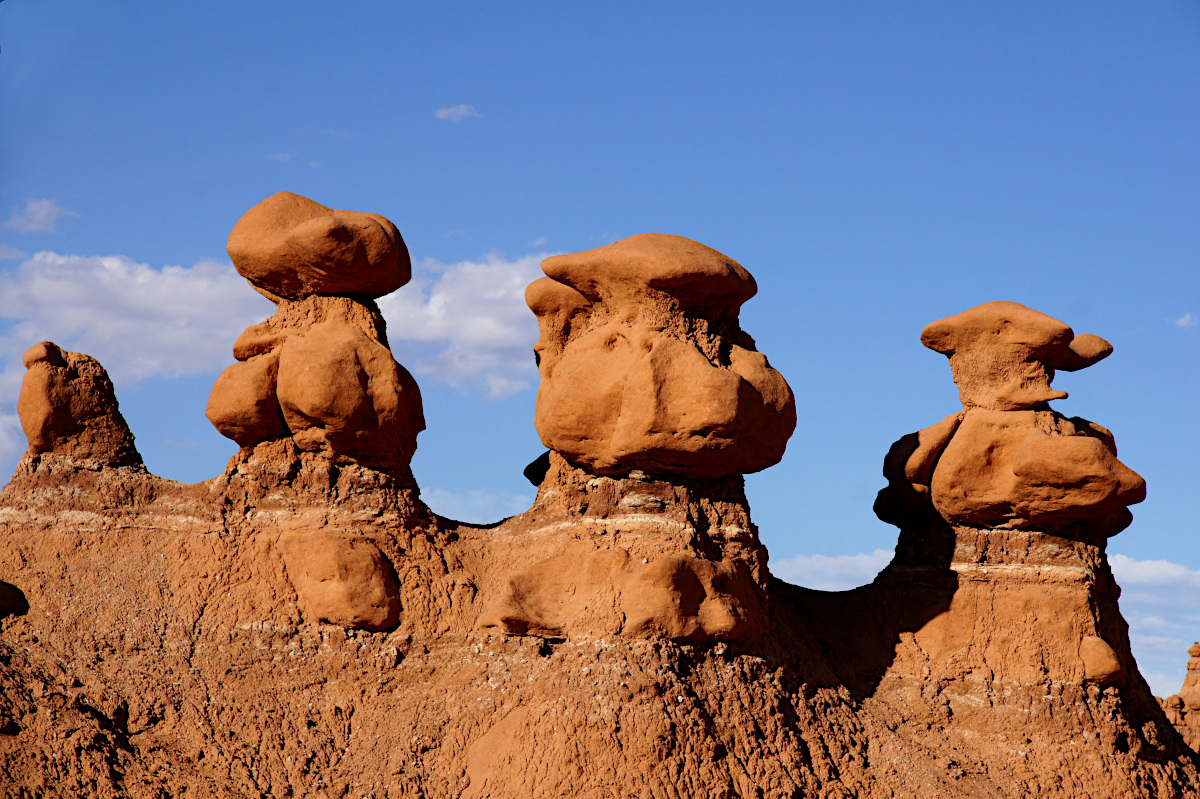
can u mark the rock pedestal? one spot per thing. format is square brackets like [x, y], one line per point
[644, 365]
[1028, 498]
[654, 402]
[320, 376]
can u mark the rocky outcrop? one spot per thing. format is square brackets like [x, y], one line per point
[68, 409]
[1025, 499]
[303, 625]
[644, 365]
[1183, 708]
[319, 371]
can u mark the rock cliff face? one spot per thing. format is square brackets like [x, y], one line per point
[303, 625]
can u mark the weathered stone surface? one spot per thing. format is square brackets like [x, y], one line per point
[291, 247]
[1004, 355]
[342, 579]
[1033, 469]
[644, 366]
[319, 371]
[67, 407]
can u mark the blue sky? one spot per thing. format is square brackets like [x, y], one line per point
[875, 165]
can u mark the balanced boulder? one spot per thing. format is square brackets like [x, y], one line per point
[319, 371]
[290, 247]
[644, 366]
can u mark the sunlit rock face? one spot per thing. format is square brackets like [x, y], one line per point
[319, 371]
[303, 625]
[644, 365]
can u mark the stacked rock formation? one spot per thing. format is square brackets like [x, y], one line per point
[1030, 497]
[301, 625]
[1183, 708]
[653, 402]
[320, 376]
[319, 371]
[644, 365]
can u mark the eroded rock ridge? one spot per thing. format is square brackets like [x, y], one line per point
[303, 624]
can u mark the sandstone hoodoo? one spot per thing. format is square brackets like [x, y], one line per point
[1028, 498]
[644, 365]
[67, 406]
[303, 625]
[319, 371]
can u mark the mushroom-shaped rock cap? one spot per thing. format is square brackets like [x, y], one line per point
[702, 280]
[1015, 327]
[289, 246]
[1004, 355]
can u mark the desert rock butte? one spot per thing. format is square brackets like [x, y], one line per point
[303, 625]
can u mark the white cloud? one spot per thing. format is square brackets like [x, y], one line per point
[1152, 572]
[540, 241]
[12, 439]
[40, 216]
[457, 113]
[476, 507]
[10, 253]
[138, 321]
[832, 573]
[467, 323]
[1187, 321]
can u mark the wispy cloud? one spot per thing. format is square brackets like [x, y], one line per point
[1187, 321]
[139, 321]
[281, 156]
[476, 507]
[1152, 572]
[12, 439]
[456, 113]
[467, 323]
[10, 253]
[39, 216]
[832, 572]
[540, 241]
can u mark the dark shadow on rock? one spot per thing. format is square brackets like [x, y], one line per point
[535, 472]
[857, 630]
[12, 601]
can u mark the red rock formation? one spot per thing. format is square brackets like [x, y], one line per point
[290, 247]
[319, 374]
[68, 408]
[319, 370]
[644, 365]
[1183, 708]
[302, 624]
